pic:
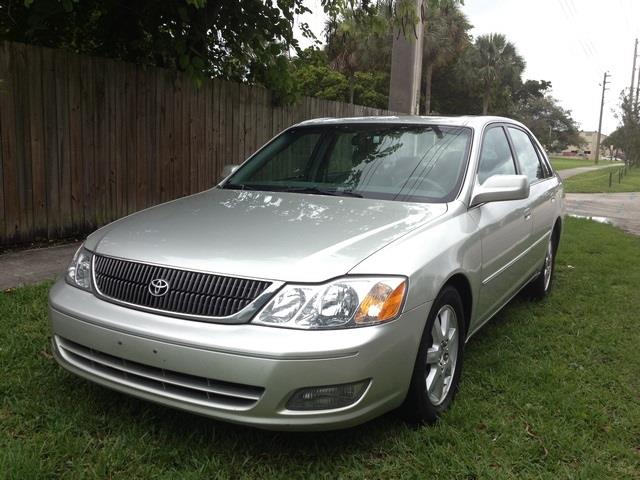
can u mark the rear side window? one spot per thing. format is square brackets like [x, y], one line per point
[527, 155]
[495, 156]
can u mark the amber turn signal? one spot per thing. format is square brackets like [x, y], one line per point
[382, 303]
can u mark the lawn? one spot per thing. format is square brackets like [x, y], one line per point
[550, 390]
[562, 163]
[598, 181]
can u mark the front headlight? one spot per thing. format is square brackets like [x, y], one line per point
[79, 271]
[345, 302]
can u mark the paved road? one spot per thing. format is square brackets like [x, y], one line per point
[572, 172]
[619, 209]
[34, 266]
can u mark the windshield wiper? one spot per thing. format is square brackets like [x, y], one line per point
[238, 186]
[322, 191]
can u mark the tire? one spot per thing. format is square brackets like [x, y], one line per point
[425, 402]
[541, 285]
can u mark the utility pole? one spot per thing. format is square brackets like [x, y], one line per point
[633, 73]
[406, 66]
[604, 88]
[637, 88]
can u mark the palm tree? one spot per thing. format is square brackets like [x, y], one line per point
[359, 41]
[445, 38]
[495, 62]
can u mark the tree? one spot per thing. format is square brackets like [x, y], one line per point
[445, 38]
[552, 125]
[204, 38]
[495, 67]
[615, 142]
[359, 41]
[629, 135]
[315, 78]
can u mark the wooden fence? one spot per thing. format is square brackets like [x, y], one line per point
[84, 141]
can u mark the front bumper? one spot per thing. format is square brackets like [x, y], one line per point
[186, 364]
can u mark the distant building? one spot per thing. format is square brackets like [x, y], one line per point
[588, 148]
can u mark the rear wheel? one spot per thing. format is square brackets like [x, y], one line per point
[541, 285]
[439, 361]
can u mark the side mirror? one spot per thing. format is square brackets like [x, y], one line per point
[500, 188]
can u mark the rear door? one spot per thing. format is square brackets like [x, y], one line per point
[505, 228]
[542, 196]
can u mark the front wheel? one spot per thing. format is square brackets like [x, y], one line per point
[438, 366]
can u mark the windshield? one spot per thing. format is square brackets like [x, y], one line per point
[394, 162]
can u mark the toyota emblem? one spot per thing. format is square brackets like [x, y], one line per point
[158, 287]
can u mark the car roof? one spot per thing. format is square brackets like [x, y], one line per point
[476, 122]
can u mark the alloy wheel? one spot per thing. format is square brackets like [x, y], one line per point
[548, 265]
[442, 355]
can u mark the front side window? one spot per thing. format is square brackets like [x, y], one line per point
[392, 162]
[495, 156]
[527, 155]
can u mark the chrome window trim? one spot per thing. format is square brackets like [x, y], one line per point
[545, 168]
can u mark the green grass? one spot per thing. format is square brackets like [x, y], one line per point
[598, 181]
[562, 163]
[550, 390]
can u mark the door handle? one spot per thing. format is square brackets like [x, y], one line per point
[527, 214]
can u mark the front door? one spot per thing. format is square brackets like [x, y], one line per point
[505, 229]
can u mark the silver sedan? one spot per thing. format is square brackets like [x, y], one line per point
[335, 275]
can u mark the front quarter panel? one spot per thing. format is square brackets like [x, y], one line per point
[431, 255]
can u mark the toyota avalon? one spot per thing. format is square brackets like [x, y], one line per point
[335, 275]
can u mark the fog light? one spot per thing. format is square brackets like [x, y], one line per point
[327, 397]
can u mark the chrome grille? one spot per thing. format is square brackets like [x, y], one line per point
[190, 293]
[181, 386]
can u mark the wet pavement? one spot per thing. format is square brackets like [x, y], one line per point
[572, 172]
[619, 209]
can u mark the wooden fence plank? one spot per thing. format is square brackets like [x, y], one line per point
[8, 141]
[142, 153]
[116, 106]
[76, 140]
[226, 124]
[208, 133]
[214, 160]
[131, 137]
[88, 115]
[153, 155]
[103, 145]
[36, 137]
[61, 71]
[20, 91]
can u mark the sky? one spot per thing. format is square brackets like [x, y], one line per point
[568, 42]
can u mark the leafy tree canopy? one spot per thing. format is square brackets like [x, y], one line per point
[628, 134]
[228, 39]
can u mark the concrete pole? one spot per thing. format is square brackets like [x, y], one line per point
[637, 88]
[633, 73]
[604, 84]
[406, 68]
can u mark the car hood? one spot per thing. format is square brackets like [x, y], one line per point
[270, 235]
